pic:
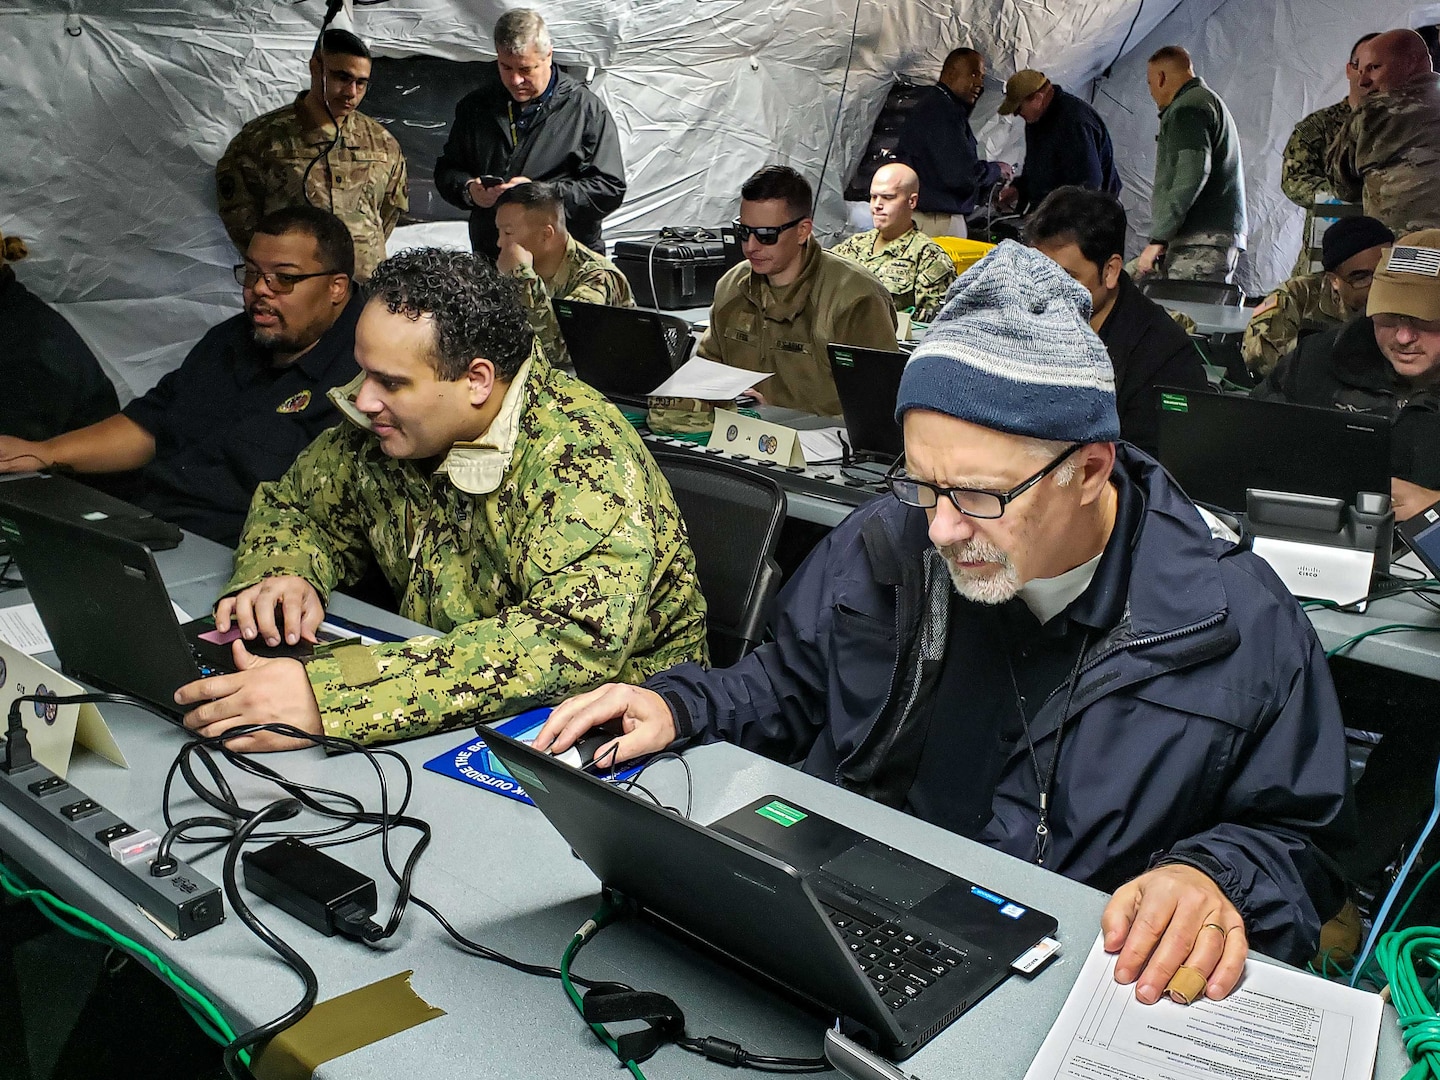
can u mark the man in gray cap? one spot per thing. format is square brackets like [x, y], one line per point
[1309, 303]
[1038, 643]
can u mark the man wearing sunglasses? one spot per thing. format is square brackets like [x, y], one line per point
[1386, 362]
[1310, 303]
[1039, 644]
[249, 396]
[779, 309]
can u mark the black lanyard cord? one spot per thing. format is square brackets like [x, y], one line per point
[1046, 783]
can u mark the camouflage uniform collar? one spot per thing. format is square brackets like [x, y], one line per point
[477, 468]
[899, 246]
[474, 467]
[322, 134]
[572, 261]
[787, 301]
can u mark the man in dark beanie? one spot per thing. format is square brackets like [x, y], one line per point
[1038, 643]
[1310, 303]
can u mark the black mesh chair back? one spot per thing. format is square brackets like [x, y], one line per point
[678, 337]
[733, 517]
[1225, 293]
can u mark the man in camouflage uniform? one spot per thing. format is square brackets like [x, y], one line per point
[913, 267]
[294, 156]
[1303, 176]
[549, 264]
[1309, 303]
[510, 507]
[1388, 153]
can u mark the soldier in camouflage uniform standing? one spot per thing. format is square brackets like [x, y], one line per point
[510, 507]
[913, 267]
[1310, 303]
[1388, 153]
[295, 155]
[1303, 176]
[549, 264]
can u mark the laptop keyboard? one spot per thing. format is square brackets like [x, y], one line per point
[207, 669]
[900, 963]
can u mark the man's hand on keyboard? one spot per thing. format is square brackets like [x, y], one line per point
[253, 610]
[263, 691]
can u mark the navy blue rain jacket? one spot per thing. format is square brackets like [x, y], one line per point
[1203, 729]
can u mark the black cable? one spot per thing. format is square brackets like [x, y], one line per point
[1105, 74]
[296, 962]
[840, 105]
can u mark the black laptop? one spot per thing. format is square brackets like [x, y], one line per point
[70, 500]
[625, 353]
[868, 382]
[1218, 445]
[890, 943]
[109, 617]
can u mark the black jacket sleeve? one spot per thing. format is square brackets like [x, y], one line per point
[456, 167]
[600, 186]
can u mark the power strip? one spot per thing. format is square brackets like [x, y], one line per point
[184, 902]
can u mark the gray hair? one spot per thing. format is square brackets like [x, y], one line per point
[1044, 451]
[517, 30]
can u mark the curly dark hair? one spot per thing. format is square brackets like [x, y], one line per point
[477, 311]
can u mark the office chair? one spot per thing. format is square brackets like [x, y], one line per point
[733, 517]
[1226, 294]
[678, 336]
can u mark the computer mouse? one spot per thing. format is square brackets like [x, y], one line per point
[591, 742]
[570, 757]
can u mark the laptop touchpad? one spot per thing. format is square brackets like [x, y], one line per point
[886, 874]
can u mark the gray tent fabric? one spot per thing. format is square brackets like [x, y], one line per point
[115, 111]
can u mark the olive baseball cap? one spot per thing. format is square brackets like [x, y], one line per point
[1407, 281]
[1020, 86]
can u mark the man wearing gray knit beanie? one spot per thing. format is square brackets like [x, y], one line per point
[1037, 643]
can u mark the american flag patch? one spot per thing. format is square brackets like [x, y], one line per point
[1414, 260]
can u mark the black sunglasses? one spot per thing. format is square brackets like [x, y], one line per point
[972, 502]
[275, 281]
[766, 234]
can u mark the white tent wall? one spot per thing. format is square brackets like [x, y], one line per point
[1272, 63]
[113, 113]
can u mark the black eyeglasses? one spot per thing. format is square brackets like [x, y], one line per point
[766, 234]
[971, 502]
[275, 281]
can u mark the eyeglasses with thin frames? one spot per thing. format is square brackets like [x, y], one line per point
[766, 234]
[972, 502]
[277, 282]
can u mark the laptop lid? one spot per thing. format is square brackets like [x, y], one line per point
[732, 886]
[104, 604]
[868, 382]
[1218, 445]
[70, 500]
[622, 352]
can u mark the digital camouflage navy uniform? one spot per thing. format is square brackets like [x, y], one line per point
[913, 267]
[585, 276]
[1302, 172]
[362, 180]
[1301, 305]
[549, 557]
[1388, 156]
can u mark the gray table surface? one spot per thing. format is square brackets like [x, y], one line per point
[504, 877]
[1212, 318]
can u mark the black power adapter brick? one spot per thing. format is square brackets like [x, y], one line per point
[320, 891]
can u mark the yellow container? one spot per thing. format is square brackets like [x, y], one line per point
[963, 253]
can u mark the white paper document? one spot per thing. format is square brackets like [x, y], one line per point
[21, 628]
[708, 381]
[822, 444]
[1279, 1024]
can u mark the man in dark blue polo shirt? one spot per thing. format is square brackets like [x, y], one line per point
[247, 399]
[1066, 142]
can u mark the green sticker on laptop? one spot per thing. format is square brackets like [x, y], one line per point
[1175, 402]
[781, 814]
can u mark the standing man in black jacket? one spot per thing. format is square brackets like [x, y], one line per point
[938, 144]
[533, 122]
[1066, 142]
[1084, 231]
